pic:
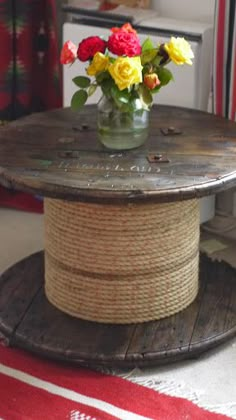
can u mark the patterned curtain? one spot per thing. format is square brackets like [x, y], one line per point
[224, 97]
[224, 69]
[30, 79]
[29, 66]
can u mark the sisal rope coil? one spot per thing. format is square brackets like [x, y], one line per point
[121, 263]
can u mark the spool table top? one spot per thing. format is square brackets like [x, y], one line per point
[188, 154]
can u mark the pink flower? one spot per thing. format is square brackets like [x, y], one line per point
[124, 43]
[68, 53]
[89, 47]
[151, 80]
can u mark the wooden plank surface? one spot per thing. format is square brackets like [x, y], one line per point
[216, 310]
[16, 293]
[167, 338]
[29, 321]
[45, 329]
[57, 154]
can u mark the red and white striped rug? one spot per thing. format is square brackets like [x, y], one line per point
[32, 388]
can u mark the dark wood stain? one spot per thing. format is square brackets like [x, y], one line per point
[53, 154]
[29, 321]
[216, 302]
[16, 293]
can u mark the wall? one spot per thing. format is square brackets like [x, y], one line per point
[200, 10]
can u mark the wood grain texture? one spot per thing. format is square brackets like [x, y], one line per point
[57, 154]
[18, 294]
[29, 321]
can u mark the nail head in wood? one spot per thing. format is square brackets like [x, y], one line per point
[157, 158]
[170, 131]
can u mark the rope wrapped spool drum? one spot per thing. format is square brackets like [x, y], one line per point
[121, 263]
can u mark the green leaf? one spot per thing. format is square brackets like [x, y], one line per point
[157, 60]
[145, 96]
[156, 89]
[122, 96]
[81, 81]
[147, 45]
[148, 56]
[92, 89]
[106, 86]
[103, 75]
[136, 105]
[78, 99]
[164, 75]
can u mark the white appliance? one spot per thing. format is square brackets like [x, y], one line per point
[192, 84]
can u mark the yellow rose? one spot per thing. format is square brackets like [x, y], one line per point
[100, 63]
[179, 51]
[126, 71]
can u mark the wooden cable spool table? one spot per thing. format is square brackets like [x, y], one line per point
[122, 283]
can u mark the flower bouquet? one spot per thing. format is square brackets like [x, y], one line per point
[129, 74]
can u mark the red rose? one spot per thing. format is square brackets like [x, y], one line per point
[89, 47]
[151, 80]
[124, 43]
[68, 53]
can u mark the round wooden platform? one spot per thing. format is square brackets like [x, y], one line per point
[29, 321]
[57, 154]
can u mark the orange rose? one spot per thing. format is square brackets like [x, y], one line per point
[127, 27]
[151, 80]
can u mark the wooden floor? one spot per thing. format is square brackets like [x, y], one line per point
[29, 321]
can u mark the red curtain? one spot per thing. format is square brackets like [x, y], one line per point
[30, 79]
[224, 69]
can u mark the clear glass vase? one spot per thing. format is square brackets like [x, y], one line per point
[119, 129]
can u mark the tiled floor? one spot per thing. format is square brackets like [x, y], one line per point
[210, 381]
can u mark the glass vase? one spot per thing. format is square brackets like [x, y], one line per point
[119, 129]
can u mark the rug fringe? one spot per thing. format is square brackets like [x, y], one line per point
[174, 389]
[179, 390]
